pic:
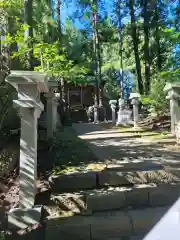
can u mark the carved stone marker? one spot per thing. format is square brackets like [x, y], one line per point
[28, 85]
[135, 97]
[124, 118]
[173, 90]
[112, 104]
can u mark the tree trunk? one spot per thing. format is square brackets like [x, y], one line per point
[96, 92]
[157, 38]
[59, 31]
[146, 46]
[28, 34]
[95, 63]
[120, 46]
[99, 74]
[102, 112]
[58, 17]
[135, 46]
[4, 48]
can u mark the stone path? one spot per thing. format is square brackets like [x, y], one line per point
[105, 204]
[127, 147]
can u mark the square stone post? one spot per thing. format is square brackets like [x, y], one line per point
[56, 114]
[49, 115]
[173, 90]
[120, 115]
[135, 97]
[28, 86]
[112, 104]
[29, 112]
[51, 110]
[96, 114]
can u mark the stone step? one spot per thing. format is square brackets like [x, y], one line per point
[122, 225]
[113, 198]
[113, 177]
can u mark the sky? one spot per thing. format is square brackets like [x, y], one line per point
[70, 8]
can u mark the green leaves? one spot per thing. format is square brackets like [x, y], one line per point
[87, 15]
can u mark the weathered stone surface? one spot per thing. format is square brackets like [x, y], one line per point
[112, 178]
[137, 197]
[139, 166]
[105, 199]
[104, 226]
[79, 232]
[164, 195]
[121, 178]
[73, 181]
[111, 227]
[23, 218]
[144, 220]
[73, 202]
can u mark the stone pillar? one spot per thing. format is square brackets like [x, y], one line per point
[28, 85]
[29, 108]
[174, 111]
[56, 118]
[96, 114]
[29, 113]
[135, 104]
[121, 105]
[173, 90]
[135, 97]
[112, 104]
[120, 112]
[51, 110]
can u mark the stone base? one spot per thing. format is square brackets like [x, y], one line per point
[26, 224]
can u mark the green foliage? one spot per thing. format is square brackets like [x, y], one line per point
[69, 150]
[72, 57]
[171, 75]
[156, 101]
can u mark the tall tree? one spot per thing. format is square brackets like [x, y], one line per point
[95, 60]
[28, 34]
[135, 40]
[59, 37]
[120, 32]
[4, 48]
[157, 35]
[58, 17]
[146, 44]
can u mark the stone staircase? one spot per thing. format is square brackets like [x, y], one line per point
[117, 202]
